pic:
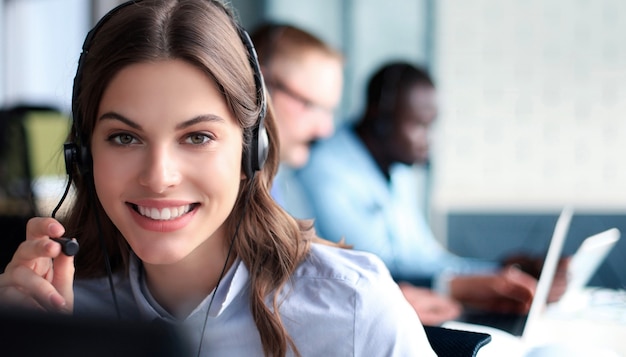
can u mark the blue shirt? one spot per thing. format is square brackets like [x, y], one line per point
[288, 193]
[339, 302]
[351, 198]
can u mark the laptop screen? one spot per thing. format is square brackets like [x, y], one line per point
[544, 284]
[520, 324]
[585, 262]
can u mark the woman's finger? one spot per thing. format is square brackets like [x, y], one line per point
[40, 289]
[15, 298]
[40, 227]
[35, 254]
[63, 279]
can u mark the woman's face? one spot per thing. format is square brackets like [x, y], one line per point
[167, 160]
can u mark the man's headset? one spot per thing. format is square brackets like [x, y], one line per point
[77, 154]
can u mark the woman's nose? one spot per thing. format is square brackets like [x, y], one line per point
[161, 170]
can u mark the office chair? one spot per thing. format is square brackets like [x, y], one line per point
[455, 343]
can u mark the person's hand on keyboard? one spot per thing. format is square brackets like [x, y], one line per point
[534, 265]
[432, 308]
[510, 290]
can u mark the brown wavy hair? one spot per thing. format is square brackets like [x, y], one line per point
[204, 33]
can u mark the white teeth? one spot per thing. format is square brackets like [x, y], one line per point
[163, 214]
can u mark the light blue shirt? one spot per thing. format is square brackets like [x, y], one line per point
[288, 193]
[351, 198]
[339, 302]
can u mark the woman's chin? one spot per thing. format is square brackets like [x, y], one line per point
[159, 256]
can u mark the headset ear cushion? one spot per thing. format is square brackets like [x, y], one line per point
[84, 160]
[70, 151]
[76, 156]
[255, 156]
[263, 146]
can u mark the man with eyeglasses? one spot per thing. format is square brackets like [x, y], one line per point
[304, 76]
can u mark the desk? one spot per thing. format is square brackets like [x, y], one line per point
[591, 324]
[596, 317]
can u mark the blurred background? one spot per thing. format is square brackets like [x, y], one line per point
[532, 93]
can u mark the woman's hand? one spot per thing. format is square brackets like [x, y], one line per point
[39, 276]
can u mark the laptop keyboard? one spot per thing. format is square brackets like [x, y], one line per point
[511, 323]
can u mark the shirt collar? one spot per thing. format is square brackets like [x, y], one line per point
[233, 282]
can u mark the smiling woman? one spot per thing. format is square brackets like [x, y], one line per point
[172, 155]
[157, 160]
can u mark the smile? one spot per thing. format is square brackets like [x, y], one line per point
[164, 214]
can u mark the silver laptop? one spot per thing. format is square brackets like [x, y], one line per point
[544, 284]
[586, 260]
[518, 324]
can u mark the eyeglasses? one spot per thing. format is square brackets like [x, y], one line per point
[307, 103]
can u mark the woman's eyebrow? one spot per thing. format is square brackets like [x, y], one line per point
[183, 125]
[200, 119]
[120, 117]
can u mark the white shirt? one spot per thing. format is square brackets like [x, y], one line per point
[339, 302]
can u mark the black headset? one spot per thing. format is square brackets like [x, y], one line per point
[77, 154]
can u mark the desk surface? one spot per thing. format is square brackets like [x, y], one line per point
[596, 317]
[591, 324]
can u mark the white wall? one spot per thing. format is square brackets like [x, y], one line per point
[533, 104]
[323, 17]
[41, 44]
[44, 38]
[377, 34]
[533, 92]
[368, 32]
